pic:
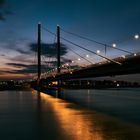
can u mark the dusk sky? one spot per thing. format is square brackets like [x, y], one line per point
[106, 21]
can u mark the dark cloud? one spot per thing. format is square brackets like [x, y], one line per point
[8, 12]
[23, 71]
[49, 50]
[2, 2]
[2, 16]
[2, 55]
[21, 59]
[17, 65]
[22, 51]
[4, 10]
[3, 72]
[26, 69]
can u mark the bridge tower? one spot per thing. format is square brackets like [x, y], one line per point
[58, 58]
[39, 53]
[58, 49]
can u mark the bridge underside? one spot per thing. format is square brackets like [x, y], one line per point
[129, 66]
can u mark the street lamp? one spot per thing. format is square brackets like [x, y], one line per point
[136, 36]
[98, 51]
[123, 56]
[114, 45]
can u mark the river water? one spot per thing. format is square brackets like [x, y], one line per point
[112, 114]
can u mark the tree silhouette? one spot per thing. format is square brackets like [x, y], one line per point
[3, 9]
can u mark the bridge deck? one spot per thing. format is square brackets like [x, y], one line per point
[129, 65]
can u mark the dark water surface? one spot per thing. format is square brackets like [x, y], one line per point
[123, 103]
[28, 115]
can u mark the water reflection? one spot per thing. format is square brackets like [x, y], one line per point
[72, 120]
[25, 115]
[76, 123]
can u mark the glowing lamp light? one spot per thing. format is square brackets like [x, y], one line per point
[118, 85]
[87, 55]
[98, 51]
[55, 83]
[114, 45]
[123, 56]
[72, 61]
[71, 72]
[79, 59]
[136, 36]
[135, 54]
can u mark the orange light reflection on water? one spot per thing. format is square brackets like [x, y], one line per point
[76, 123]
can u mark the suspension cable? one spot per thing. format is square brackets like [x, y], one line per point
[80, 56]
[91, 51]
[91, 40]
[82, 47]
[48, 31]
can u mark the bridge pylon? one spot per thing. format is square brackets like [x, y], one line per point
[58, 49]
[39, 53]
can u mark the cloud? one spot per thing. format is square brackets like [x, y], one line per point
[26, 69]
[49, 50]
[2, 16]
[22, 51]
[17, 65]
[30, 49]
[4, 10]
[3, 72]
[2, 2]
[2, 55]
[22, 59]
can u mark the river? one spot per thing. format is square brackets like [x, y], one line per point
[111, 114]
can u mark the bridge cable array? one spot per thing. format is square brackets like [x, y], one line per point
[68, 48]
[90, 51]
[82, 47]
[94, 41]
[80, 56]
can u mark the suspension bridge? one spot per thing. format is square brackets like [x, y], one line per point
[82, 61]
